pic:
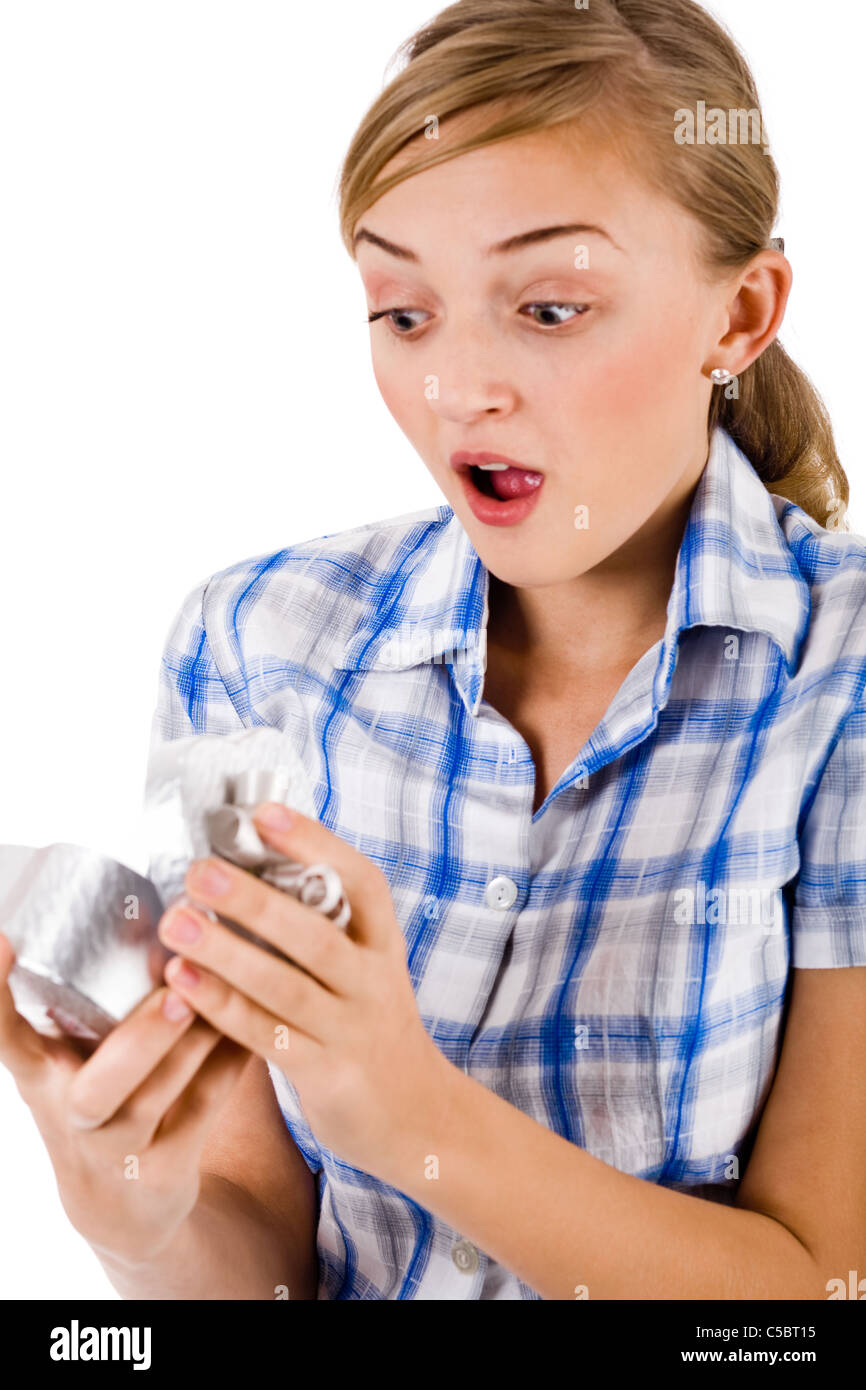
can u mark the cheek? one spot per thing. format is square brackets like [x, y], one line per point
[621, 406]
[649, 363]
[402, 389]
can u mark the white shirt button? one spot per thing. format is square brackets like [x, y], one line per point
[500, 892]
[465, 1256]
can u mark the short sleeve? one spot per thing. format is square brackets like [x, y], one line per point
[192, 697]
[828, 917]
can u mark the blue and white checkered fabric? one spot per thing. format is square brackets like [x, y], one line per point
[624, 981]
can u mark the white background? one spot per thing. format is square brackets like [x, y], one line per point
[185, 377]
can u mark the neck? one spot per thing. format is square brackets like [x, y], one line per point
[602, 617]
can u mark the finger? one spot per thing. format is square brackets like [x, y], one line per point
[190, 1118]
[294, 928]
[23, 1051]
[309, 842]
[273, 982]
[366, 887]
[136, 1122]
[238, 1017]
[124, 1058]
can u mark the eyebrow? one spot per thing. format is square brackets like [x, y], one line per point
[513, 243]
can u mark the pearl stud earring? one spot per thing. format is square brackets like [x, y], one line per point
[721, 376]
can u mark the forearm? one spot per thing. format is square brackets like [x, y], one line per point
[228, 1247]
[563, 1220]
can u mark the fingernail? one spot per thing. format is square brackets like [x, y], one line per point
[182, 972]
[209, 878]
[185, 900]
[273, 814]
[180, 926]
[175, 1008]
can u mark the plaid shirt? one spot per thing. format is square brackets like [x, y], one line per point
[616, 964]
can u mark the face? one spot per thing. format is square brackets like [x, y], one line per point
[580, 356]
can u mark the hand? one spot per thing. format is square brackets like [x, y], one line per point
[339, 1017]
[125, 1128]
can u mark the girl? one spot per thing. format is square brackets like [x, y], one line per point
[588, 744]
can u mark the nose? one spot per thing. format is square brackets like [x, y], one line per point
[469, 375]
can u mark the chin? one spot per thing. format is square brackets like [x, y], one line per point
[533, 571]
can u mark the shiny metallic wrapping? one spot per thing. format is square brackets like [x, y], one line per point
[199, 795]
[84, 927]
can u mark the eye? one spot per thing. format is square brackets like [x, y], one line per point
[403, 314]
[551, 309]
[403, 317]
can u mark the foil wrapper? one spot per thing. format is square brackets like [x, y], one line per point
[84, 926]
[199, 798]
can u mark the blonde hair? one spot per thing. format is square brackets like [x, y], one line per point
[625, 68]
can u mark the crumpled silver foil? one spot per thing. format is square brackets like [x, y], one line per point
[199, 798]
[84, 926]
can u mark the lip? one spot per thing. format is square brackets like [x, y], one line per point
[490, 510]
[464, 459]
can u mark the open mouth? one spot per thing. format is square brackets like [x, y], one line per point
[502, 482]
[499, 491]
[483, 480]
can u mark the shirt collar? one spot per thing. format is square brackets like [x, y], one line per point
[734, 570]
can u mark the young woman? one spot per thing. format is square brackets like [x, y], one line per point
[588, 743]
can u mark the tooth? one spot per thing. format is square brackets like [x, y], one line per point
[494, 467]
